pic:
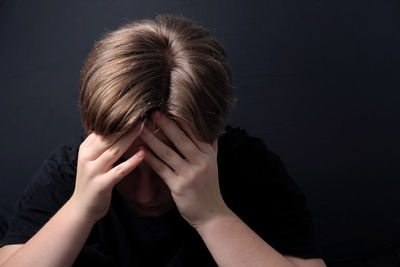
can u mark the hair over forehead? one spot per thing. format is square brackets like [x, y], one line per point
[168, 64]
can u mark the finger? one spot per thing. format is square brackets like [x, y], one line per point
[88, 141]
[181, 141]
[97, 144]
[215, 145]
[116, 150]
[165, 172]
[116, 174]
[163, 151]
[203, 146]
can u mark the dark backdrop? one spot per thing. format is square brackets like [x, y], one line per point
[317, 80]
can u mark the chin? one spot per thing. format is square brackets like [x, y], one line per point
[153, 211]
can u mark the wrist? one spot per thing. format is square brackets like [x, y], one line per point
[73, 208]
[224, 216]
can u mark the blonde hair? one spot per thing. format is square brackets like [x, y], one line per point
[169, 64]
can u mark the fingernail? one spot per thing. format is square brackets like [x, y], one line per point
[140, 153]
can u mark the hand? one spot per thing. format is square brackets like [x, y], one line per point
[96, 174]
[192, 177]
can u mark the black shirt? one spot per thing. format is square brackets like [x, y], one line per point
[254, 184]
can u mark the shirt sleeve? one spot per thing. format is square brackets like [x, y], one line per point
[50, 187]
[265, 197]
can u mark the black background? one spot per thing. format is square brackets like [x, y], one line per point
[317, 80]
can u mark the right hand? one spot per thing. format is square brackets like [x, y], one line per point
[96, 175]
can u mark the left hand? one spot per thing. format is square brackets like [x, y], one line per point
[193, 178]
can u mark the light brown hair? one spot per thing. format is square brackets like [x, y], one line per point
[169, 64]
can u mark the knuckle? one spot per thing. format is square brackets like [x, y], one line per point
[157, 168]
[105, 141]
[180, 188]
[100, 186]
[190, 175]
[87, 141]
[183, 140]
[207, 159]
[114, 151]
[102, 138]
[90, 170]
[120, 171]
[203, 165]
[82, 146]
[82, 156]
[167, 154]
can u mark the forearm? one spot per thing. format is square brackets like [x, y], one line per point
[232, 243]
[58, 243]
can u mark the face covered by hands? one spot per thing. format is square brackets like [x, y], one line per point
[191, 174]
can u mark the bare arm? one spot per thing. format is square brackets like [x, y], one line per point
[58, 243]
[193, 181]
[61, 239]
[233, 243]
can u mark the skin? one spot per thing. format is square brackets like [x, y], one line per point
[143, 188]
[160, 170]
[60, 240]
[189, 168]
[192, 180]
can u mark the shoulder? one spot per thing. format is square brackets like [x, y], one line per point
[244, 154]
[237, 144]
[247, 165]
[59, 166]
[256, 185]
[66, 154]
[49, 188]
[54, 180]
